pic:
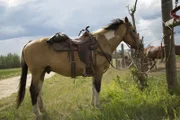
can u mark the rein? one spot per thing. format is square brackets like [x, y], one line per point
[106, 55]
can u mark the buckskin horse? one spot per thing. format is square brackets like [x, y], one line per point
[37, 56]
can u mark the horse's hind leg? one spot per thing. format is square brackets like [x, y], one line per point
[35, 89]
[40, 101]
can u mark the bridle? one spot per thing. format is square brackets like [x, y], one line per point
[132, 35]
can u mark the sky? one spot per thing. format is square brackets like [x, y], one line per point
[24, 20]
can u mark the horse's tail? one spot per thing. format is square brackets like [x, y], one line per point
[22, 84]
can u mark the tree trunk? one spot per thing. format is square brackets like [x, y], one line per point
[171, 75]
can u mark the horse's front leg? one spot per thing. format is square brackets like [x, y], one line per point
[96, 87]
[41, 104]
[34, 97]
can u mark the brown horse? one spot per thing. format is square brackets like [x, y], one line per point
[157, 52]
[154, 52]
[177, 50]
[37, 55]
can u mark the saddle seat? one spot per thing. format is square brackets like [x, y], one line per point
[82, 39]
[83, 45]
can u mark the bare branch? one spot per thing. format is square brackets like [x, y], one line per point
[129, 10]
[135, 6]
[132, 10]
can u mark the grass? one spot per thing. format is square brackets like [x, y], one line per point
[7, 73]
[120, 99]
[178, 57]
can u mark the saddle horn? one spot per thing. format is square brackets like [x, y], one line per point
[86, 30]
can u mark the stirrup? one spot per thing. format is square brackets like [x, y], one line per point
[88, 71]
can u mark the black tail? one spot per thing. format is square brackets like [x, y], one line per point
[22, 84]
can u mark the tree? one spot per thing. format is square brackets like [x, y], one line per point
[9, 61]
[171, 75]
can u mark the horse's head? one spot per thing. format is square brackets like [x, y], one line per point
[116, 32]
[130, 37]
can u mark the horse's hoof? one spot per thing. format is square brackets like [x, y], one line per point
[98, 107]
[36, 117]
[43, 110]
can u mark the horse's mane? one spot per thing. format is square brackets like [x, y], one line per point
[112, 26]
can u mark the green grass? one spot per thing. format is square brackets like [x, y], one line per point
[120, 100]
[7, 73]
[178, 57]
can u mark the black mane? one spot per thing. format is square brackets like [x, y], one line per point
[114, 25]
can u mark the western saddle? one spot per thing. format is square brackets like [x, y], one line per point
[84, 45]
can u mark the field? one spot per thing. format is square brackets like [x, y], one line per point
[69, 99]
[7, 73]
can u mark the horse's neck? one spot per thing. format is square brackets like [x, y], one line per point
[114, 39]
[114, 42]
[103, 42]
[109, 40]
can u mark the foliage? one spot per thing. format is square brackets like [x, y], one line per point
[120, 100]
[9, 61]
[139, 77]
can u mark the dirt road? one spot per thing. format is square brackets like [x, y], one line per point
[10, 85]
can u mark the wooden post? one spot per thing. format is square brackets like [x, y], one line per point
[123, 58]
[171, 75]
[116, 59]
[142, 56]
[118, 64]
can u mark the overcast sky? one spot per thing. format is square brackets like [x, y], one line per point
[24, 20]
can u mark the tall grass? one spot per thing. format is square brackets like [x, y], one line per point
[120, 100]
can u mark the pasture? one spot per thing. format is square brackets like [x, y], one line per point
[7, 73]
[66, 99]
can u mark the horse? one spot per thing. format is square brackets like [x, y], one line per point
[177, 49]
[37, 55]
[154, 52]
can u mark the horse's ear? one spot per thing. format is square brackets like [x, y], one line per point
[126, 20]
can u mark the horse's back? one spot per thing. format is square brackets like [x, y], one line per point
[154, 52]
